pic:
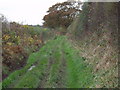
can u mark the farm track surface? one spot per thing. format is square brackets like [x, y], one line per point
[56, 65]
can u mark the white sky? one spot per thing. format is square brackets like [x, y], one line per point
[26, 11]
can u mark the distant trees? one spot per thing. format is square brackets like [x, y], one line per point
[61, 14]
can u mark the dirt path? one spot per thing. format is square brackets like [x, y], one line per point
[46, 74]
[62, 72]
[59, 82]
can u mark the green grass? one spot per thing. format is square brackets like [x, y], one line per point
[54, 71]
[77, 74]
[31, 79]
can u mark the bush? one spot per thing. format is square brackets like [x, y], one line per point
[14, 56]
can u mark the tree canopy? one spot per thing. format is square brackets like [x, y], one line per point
[61, 14]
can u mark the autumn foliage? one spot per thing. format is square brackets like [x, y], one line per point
[61, 14]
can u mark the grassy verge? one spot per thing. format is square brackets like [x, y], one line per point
[79, 73]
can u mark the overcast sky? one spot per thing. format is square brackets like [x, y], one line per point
[26, 11]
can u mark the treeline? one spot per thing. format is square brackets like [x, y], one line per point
[62, 14]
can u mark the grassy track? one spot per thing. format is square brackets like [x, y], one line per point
[57, 65]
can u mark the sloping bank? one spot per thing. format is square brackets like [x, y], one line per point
[95, 32]
[57, 64]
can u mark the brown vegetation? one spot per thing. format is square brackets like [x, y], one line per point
[98, 40]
